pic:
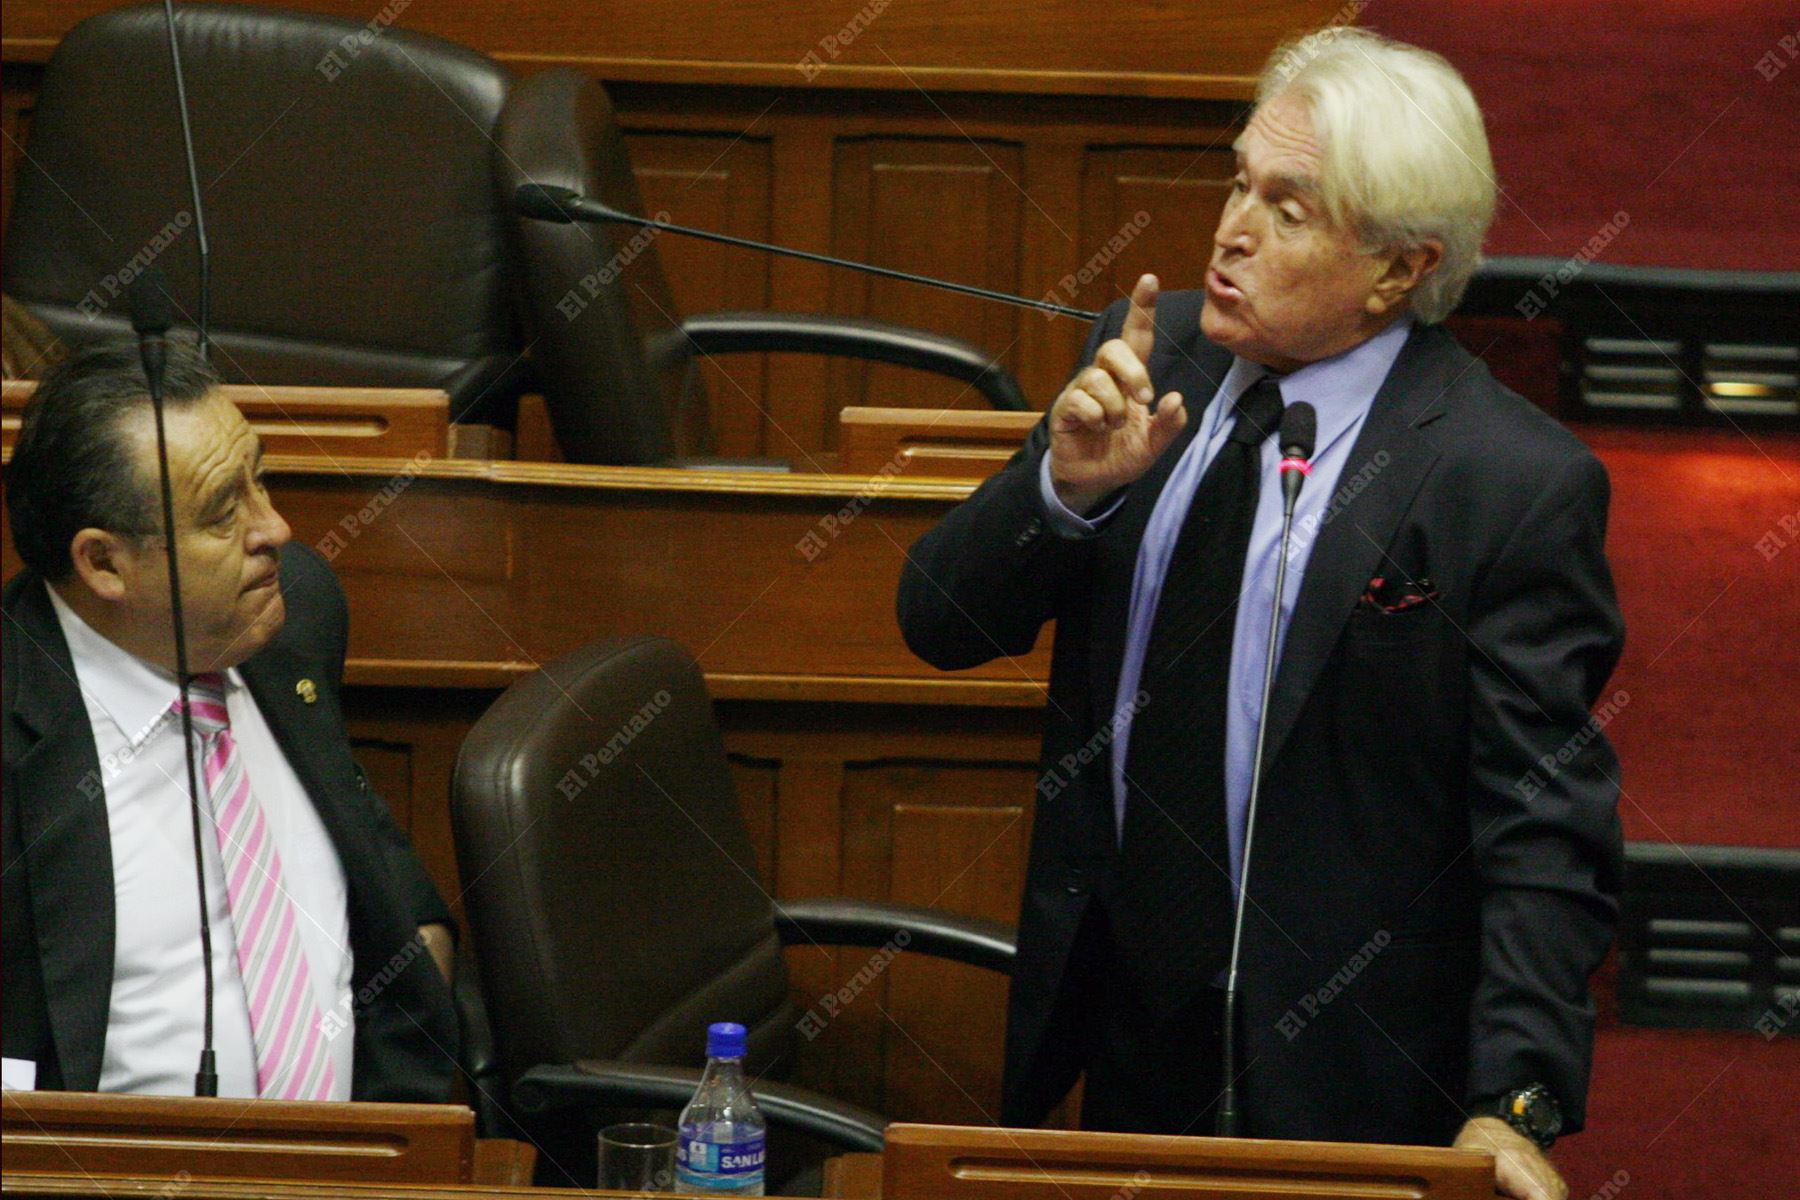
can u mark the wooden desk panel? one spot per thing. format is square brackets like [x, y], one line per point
[782, 586]
[243, 1139]
[925, 1162]
[312, 422]
[952, 443]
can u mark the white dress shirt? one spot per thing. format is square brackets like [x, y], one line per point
[153, 1030]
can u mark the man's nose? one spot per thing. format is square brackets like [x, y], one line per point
[1233, 232]
[271, 530]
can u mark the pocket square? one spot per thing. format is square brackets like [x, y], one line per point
[1396, 595]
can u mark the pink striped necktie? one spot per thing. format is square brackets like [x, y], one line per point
[286, 1023]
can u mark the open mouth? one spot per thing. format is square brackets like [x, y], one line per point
[1219, 287]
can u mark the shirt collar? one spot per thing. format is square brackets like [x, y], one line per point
[134, 694]
[1340, 388]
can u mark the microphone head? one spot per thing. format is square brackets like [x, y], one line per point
[1299, 430]
[546, 202]
[152, 312]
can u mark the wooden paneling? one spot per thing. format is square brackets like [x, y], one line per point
[1060, 46]
[715, 181]
[1150, 209]
[947, 208]
[1044, 197]
[953, 836]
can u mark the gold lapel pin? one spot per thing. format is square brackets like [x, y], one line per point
[307, 691]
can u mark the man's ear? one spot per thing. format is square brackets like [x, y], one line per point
[104, 563]
[1405, 269]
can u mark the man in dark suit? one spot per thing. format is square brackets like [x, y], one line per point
[1436, 851]
[102, 962]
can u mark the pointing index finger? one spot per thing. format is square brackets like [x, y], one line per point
[1139, 332]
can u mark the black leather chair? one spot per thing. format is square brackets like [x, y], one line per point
[614, 356]
[613, 899]
[356, 235]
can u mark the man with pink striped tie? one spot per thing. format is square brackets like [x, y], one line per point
[326, 930]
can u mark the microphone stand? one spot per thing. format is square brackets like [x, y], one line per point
[561, 205]
[151, 318]
[193, 169]
[1294, 469]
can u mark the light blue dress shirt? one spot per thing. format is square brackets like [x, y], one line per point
[1341, 389]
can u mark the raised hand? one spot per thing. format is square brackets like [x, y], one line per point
[1107, 427]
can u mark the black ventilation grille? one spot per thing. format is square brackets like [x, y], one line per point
[1657, 345]
[1709, 938]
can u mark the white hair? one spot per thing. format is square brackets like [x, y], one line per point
[1405, 154]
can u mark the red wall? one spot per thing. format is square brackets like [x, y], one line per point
[1650, 107]
[1704, 542]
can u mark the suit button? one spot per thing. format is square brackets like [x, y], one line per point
[1076, 884]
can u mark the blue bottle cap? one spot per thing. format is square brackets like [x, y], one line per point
[725, 1039]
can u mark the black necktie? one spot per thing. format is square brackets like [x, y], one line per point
[1172, 896]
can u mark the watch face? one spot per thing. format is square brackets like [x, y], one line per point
[1541, 1115]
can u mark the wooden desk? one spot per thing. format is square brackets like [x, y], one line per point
[852, 1177]
[938, 1162]
[961, 445]
[91, 1134]
[74, 1186]
[322, 422]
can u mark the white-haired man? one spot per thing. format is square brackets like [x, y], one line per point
[1425, 899]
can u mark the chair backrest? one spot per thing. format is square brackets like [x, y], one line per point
[357, 238]
[610, 881]
[595, 303]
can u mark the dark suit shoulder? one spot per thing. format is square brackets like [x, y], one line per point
[1177, 312]
[318, 616]
[1493, 429]
[15, 588]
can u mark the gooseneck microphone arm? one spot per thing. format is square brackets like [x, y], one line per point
[561, 205]
[1299, 430]
[187, 140]
[152, 313]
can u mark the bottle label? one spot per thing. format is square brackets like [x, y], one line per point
[732, 1159]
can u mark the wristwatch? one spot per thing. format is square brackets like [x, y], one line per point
[1532, 1110]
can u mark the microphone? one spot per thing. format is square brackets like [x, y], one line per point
[152, 313]
[1299, 431]
[563, 206]
[193, 169]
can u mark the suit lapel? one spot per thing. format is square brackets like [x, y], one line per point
[1348, 549]
[68, 847]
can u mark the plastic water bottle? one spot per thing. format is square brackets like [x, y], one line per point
[722, 1135]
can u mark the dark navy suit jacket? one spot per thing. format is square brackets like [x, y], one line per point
[1428, 898]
